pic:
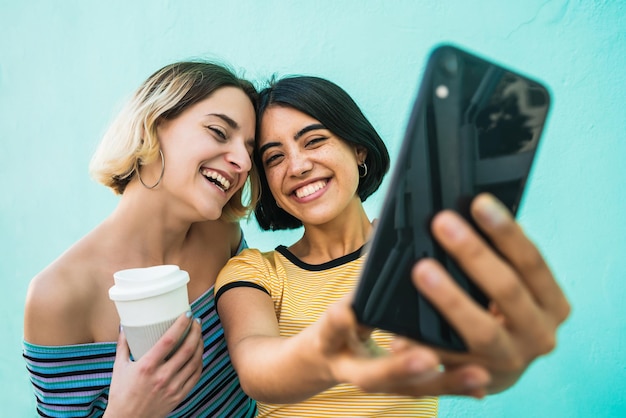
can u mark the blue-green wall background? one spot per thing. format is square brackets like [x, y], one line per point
[66, 66]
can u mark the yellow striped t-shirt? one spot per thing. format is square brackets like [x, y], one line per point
[301, 292]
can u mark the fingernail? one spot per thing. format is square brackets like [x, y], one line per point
[421, 365]
[492, 211]
[431, 276]
[417, 366]
[473, 381]
[188, 314]
[452, 228]
[424, 368]
[198, 321]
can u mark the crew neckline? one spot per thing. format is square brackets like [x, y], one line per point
[283, 250]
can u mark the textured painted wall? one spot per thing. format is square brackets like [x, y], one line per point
[66, 66]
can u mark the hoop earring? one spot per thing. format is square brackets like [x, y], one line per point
[364, 167]
[160, 177]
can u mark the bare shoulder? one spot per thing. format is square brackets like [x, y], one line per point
[58, 301]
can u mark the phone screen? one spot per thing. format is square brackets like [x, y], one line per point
[474, 127]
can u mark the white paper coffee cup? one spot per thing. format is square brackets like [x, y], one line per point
[148, 301]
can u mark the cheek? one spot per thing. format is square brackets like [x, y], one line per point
[351, 173]
[348, 165]
[242, 182]
[274, 180]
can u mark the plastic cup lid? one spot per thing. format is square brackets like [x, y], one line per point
[140, 283]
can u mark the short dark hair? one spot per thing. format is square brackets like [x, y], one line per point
[338, 112]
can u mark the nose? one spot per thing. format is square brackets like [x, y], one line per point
[238, 156]
[299, 164]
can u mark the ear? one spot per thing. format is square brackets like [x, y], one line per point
[361, 154]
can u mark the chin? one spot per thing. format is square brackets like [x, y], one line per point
[211, 214]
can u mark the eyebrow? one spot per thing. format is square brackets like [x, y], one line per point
[234, 125]
[268, 145]
[308, 128]
[226, 119]
[297, 136]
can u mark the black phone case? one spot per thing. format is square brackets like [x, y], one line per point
[474, 127]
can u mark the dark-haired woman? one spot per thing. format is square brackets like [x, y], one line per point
[286, 313]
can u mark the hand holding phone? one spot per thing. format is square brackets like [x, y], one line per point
[474, 128]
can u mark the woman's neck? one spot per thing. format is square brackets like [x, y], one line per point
[341, 236]
[150, 229]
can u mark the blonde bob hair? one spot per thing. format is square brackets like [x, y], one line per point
[131, 140]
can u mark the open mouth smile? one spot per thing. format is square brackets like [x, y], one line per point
[309, 189]
[216, 178]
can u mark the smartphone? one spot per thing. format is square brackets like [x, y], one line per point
[474, 127]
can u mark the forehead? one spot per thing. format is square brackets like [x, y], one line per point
[229, 96]
[283, 122]
[230, 101]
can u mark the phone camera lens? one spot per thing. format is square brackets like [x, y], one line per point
[442, 91]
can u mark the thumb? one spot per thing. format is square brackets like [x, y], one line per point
[122, 352]
[340, 329]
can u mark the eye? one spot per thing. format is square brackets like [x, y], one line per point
[273, 159]
[219, 132]
[315, 141]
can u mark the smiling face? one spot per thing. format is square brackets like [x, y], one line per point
[207, 152]
[311, 172]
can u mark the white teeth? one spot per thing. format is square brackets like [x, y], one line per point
[309, 189]
[220, 180]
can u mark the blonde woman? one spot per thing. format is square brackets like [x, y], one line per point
[178, 155]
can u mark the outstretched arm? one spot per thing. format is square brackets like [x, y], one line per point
[333, 350]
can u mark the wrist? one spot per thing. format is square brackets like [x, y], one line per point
[318, 355]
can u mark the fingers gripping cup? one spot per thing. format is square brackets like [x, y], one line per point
[148, 301]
